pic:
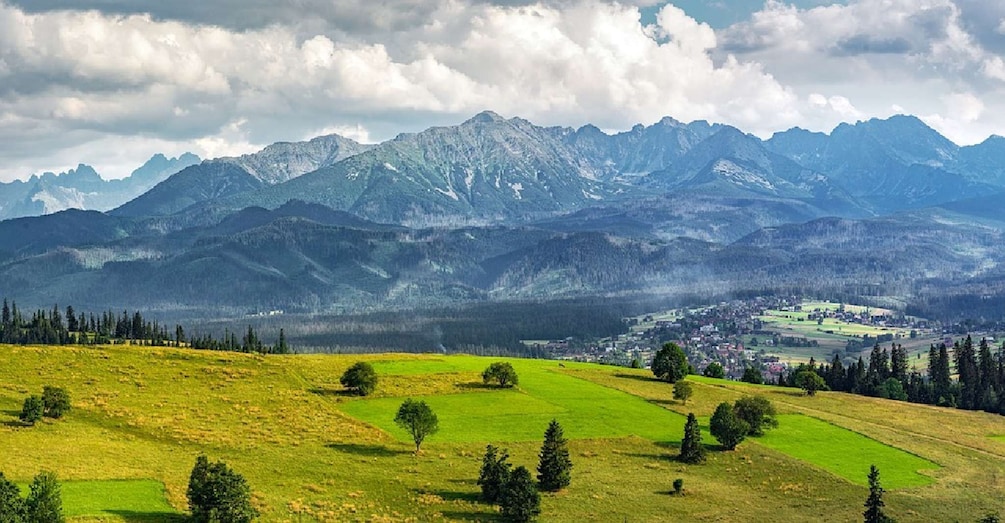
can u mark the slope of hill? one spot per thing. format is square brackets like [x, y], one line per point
[308, 451]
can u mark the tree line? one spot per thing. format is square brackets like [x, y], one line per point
[979, 370]
[69, 327]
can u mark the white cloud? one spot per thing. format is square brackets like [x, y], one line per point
[76, 81]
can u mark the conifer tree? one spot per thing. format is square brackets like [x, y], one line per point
[691, 449]
[874, 503]
[494, 474]
[555, 467]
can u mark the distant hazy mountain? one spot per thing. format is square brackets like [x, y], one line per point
[83, 188]
[222, 177]
[894, 164]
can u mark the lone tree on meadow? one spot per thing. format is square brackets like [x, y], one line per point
[874, 503]
[494, 474]
[810, 382]
[361, 379]
[520, 501]
[418, 419]
[554, 471]
[726, 427]
[691, 449]
[670, 363]
[682, 391]
[32, 409]
[502, 373]
[218, 494]
[714, 370]
[758, 412]
[55, 402]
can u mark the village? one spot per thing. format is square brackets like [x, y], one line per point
[769, 333]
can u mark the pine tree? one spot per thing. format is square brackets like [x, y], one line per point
[898, 363]
[555, 467]
[11, 504]
[691, 449]
[966, 368]
[494, 474]
[520, 501]
[874, 503]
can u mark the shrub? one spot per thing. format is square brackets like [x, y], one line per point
[218, 494]
[758, 412]
[55, 401]
[32, 410]
[678, 486]
[360, 378]
[727, 428]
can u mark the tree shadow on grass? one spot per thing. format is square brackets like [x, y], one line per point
[467, 515]
[132, 516]
[475, 385]
[370, 451]
[342, 393]
[451, 495]
[636, 377]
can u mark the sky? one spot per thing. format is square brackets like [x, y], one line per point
[112, 82]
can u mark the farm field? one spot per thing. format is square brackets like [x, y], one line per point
[311, 453]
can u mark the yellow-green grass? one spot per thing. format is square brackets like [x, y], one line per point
[127, 498]
[845, 453]
[145, 414]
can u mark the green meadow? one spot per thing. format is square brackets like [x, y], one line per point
[311, 453]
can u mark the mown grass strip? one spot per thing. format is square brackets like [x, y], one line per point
[846, 453]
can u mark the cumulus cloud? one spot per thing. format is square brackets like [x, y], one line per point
[89, 73]
[917, 55]
[111, 78]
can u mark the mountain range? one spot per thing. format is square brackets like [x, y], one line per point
[497, 209]
[83, 188]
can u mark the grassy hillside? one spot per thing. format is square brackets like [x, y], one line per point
[142, 415]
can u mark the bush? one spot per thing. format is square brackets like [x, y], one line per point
[758, 412]
[361, 379]
[55, 401]
[678, 487]
[217, 494]
[44, 502]
[32, 410]
[810, 382]
[727, 428]
[520, 500]
[682, 391]
[502, 373]
[714, 370]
